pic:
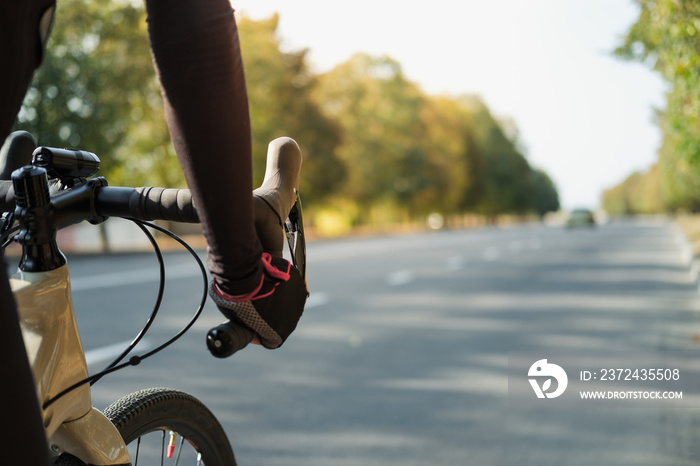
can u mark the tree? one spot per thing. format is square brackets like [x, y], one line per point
[639, 193]
[506, 172]
[384, 134]
[450, 143]
[280, 88]
[372, 140]
[666, 35]
[421, 154]
[97, 90]
[544, 193]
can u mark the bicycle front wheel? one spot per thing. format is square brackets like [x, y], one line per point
[162, 426]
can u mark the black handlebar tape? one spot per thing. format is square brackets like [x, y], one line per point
[227, 338]
[142, 203]
[146, 204]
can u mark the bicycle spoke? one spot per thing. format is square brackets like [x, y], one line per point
[138, 446]
[179, 450]
[162, 448]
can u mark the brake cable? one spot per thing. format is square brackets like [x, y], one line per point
[156, 307]
[5, 238]
[136, 359]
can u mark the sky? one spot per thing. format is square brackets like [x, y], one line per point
[584, 116]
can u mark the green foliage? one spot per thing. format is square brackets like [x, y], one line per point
[97, 90]
[375, 145]
[667, 37]
[507, 176]
[544, 193]
[383, 146]
[423, 154]
[280, 86]
[637, 194]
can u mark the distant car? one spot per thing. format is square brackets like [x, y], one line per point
[580, 218]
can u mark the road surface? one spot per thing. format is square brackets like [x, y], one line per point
[402, 355]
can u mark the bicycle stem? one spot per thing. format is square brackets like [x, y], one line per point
[37, 234]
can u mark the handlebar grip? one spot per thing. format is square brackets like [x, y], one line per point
[227, 338]
[167, 204]
[146, 203]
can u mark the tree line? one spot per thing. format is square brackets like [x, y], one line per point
[375, 144]
[666, 36]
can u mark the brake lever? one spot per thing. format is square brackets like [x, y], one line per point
[229, 337]
[294, 230]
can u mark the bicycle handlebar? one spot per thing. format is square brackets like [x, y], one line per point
[44, 207]
[227, 338]
[176, 205]
[146, 203]
[95, 201]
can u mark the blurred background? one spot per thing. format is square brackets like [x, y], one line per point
[545, 156]
[467, 111]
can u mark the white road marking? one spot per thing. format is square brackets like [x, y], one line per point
[454, 263]
[491, 254]
[534, 244]
[515, 246]
[132, 277]
[400, 277]
[109, 352]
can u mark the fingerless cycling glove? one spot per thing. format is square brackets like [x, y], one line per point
[273, 309]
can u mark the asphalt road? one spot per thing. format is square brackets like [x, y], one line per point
[402, 355]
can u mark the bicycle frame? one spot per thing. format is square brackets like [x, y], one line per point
[57, 359]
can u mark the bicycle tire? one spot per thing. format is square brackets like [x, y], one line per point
[68, 460]
[164, 410]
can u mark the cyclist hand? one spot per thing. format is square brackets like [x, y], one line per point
[273, 309]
